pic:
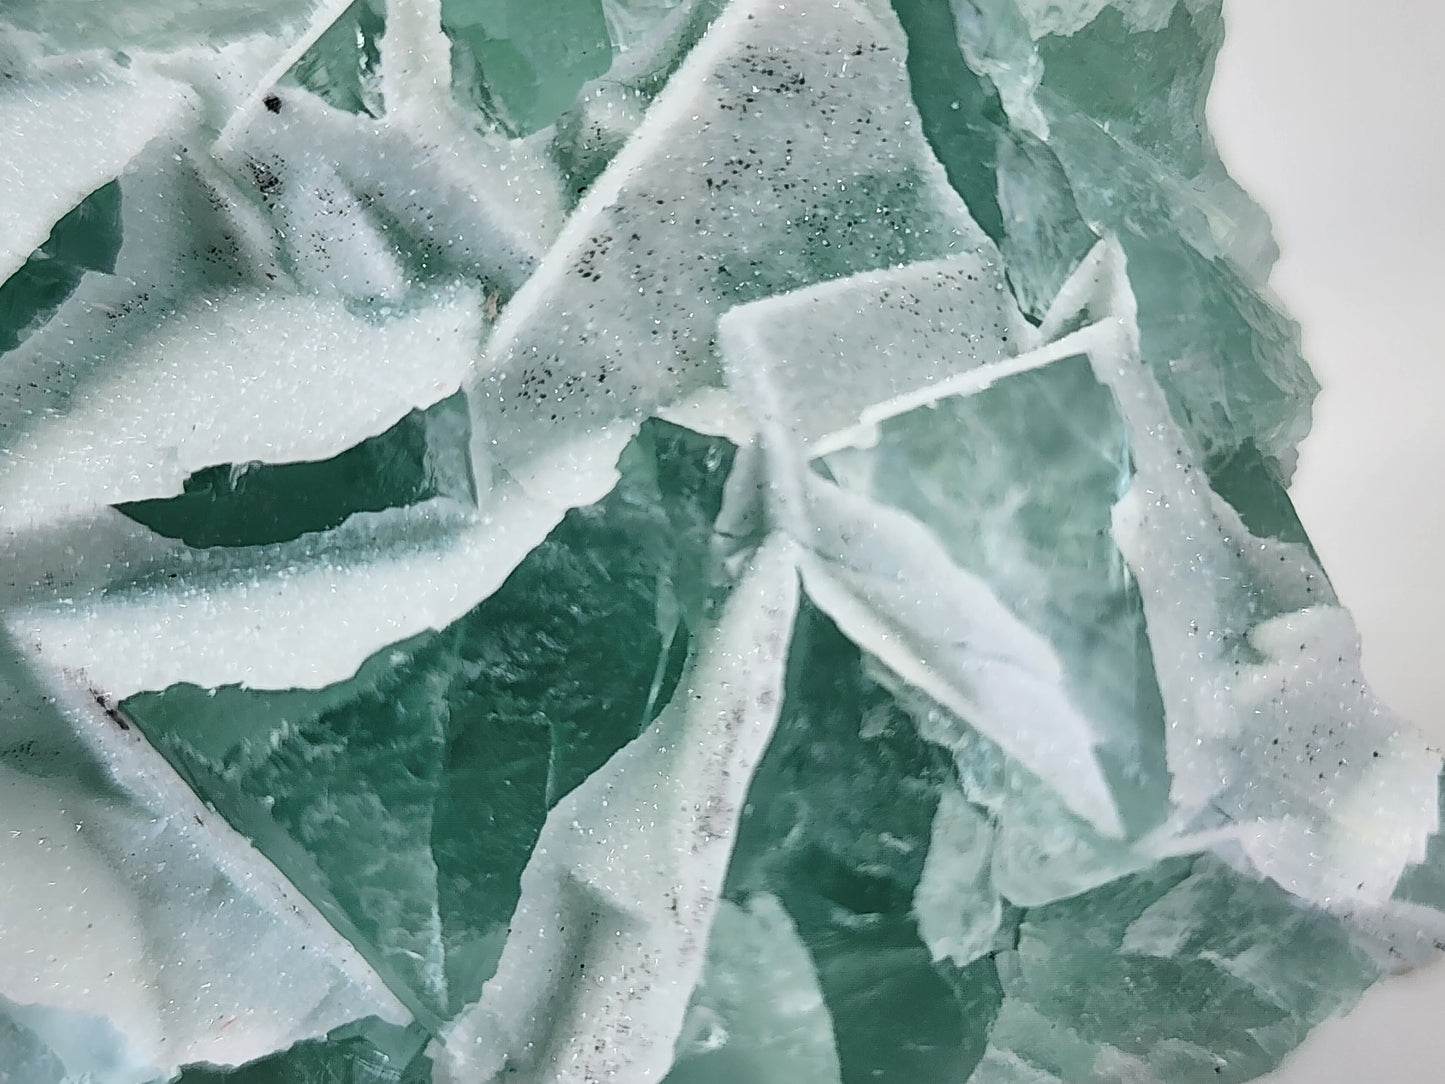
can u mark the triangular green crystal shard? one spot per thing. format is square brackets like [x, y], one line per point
[365, 1052]
[716, 541]
[525, 60]
[758, 1013]
[340, 68]
[406, 801]
[1046, 549]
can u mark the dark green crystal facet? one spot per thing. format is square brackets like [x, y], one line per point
[706, 541]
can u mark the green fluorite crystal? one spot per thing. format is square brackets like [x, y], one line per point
[665, 540]
[440, 759]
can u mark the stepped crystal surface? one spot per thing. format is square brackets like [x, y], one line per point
[704, 541]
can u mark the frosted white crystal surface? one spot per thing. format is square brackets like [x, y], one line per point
[625, 879]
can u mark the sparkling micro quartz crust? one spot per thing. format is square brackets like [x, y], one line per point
[686, 540]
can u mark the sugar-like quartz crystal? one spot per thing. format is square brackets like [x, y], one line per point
[705, 541]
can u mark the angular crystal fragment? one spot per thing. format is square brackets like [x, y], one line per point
[523, 61]
[137, 896]
[1124, 155]
[1150, 976]
[664, 540]
[341, 65]
[86, 239]
[1017, 482]
[617, 322]
[837, 826]
[757, 1013]
[406, 801]
[210, 350]
[252, 504]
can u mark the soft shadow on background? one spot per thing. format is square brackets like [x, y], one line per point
[1332, 114]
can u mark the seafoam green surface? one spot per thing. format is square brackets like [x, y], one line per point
[688, 540]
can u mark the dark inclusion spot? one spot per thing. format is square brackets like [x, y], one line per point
[272, 102]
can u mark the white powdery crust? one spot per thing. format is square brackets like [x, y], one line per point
[265, 377]
[837, 351]
[618, 899]
[1274, 742]
[137, 916]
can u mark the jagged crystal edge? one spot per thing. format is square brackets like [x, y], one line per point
[403, 211]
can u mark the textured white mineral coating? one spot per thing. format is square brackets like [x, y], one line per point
[126, 905]
[416, 59]
[350, 190]
[70, 939]
[609, 937]
[268, 377]
[74, 123]
[282, 54]
[322, 606]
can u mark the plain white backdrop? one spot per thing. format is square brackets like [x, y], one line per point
[1332, 113]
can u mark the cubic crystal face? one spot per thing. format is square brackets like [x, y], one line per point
[664, 540]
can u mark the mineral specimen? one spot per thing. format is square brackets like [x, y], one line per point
[706, 541]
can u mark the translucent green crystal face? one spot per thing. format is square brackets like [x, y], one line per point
[704, 541]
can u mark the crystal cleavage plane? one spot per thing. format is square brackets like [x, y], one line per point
[664, 540]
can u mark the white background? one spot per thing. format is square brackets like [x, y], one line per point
[1332, 113]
